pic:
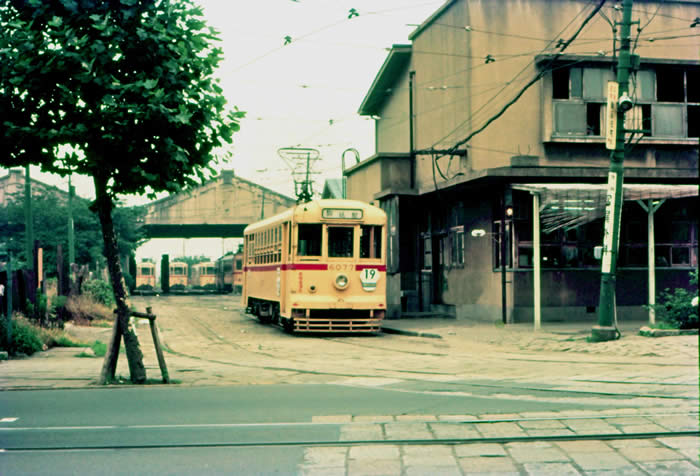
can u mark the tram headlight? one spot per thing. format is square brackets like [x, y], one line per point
[341, 281]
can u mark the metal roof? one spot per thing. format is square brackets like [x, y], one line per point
[570, 205]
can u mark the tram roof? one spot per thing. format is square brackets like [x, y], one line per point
[371, 214]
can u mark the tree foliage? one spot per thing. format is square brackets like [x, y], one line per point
[127, 86]
[127, 83]
[51, 229]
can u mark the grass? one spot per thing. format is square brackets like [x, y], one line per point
[663, 325]
[84, 310]
[99, 348]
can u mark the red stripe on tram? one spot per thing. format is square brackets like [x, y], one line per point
[284, 267]
[378, 267]
[309, 267]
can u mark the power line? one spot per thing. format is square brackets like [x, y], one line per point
[527, 86]
[514, 78]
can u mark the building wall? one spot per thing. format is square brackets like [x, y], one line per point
[574, 295]
[365, 181]
[475, 288]
[392, 131]
[445, 54]
[12, 188]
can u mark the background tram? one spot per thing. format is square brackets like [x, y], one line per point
[229, 273]
[204, 275]
[145, 275]
[178, 275]
[318, 267]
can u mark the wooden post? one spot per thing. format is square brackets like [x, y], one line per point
[650, 207]
[156, 341]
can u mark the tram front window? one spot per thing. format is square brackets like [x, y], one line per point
[309, 240]
[370, 241]
[340, 240]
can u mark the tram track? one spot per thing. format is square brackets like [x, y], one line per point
[287, 434]
[351, 443]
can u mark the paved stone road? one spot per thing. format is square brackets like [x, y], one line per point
[209, 341]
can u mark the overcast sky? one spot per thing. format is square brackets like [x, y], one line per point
[303, 94]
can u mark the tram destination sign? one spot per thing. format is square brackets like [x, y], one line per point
[342, 213]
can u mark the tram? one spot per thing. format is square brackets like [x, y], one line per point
[145, 275]
[318, 267]
[204, 275]
[178, 275]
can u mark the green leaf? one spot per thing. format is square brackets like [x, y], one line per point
[55, 22]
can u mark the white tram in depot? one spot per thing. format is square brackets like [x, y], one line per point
[318, 267]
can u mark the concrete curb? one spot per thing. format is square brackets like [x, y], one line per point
[654, 332]
[392, 330]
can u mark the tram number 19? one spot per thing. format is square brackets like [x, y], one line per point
[369, 275]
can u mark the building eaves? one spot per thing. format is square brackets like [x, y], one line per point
[431, 19]
[398, 58]
[546, 60]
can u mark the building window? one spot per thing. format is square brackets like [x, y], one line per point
[457, 246]
[509, 244]
[667, 101]
[427, 251]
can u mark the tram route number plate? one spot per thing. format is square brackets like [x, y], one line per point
[369, 278]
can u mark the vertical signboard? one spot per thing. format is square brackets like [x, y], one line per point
[608, 236]
[611, 116]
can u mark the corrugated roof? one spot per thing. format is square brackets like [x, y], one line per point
[396, 61]
[568, 205]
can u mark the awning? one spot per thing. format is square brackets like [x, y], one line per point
[568, 206]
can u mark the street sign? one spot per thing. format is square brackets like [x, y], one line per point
[611, 115]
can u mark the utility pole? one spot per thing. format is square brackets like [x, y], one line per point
[28, 220]
[71, 225]
[619, 103]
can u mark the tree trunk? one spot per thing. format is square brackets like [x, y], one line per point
[134, 355]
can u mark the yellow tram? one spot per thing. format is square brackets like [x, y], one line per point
[145, 275]
[204, 275]
[318, 267]
[178, 274]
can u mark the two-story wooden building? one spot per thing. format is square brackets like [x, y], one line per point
[461, 218]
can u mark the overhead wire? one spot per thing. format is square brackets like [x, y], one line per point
[563, 47]
[514, 78]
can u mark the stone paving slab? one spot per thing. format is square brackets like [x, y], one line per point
[676, 455]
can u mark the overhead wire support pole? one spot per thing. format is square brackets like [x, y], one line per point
[606, 329]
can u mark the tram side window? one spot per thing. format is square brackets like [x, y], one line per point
[370, 241]
[340, 241]
[309, 240]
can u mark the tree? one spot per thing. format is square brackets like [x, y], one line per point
[128, 85]
[51, 229]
